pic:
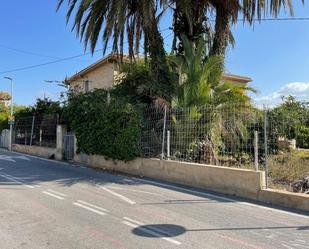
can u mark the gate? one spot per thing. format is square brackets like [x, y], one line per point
[69, 146]
[4, 139]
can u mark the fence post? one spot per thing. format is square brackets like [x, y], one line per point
[61, 130]
[266, 147]
[256, 151]
[32, 128]
[168, 145]
[163, 136]
[41, 132]
[26, 137]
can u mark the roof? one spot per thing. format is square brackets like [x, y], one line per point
[97, 64]
[113, 58]
[235, 77]
[4, 96]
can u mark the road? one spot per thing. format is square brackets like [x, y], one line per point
[48, 204]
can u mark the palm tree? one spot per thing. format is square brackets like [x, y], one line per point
[208, 110]
[200, 81]
[191, 18]
[227, 13]
[112, 19]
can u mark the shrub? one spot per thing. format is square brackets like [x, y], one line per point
[302, 137]
[102, 128]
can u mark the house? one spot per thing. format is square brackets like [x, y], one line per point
[5, 98]
[102, 74]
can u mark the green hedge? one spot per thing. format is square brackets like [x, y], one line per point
[108, 129]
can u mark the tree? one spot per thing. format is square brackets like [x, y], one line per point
[192, 19]
[201, 80]
[291, 120]
[212, 113]
[113, 19]
[227, 13]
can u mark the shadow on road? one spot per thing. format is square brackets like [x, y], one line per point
[171, 230]
[159, 230]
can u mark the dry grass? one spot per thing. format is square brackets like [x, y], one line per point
[288, 167]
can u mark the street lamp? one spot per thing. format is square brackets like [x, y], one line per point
[11, 114]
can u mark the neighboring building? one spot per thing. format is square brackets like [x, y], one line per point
[5, 98]
[102, 74]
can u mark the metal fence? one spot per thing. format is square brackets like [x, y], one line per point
[236, 135]
[36, 130]
[223, 135]
[4, 139]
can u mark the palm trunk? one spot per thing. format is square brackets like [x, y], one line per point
[158, 62]
[222, 30]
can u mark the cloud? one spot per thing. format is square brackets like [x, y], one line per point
[300, 90]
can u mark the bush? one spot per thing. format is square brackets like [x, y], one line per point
[108, 129]
[302, 137]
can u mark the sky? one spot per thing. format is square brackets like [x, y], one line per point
[275, 54]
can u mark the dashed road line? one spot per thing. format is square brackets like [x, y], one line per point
[57, 193]
[155, 232]
[89, 208]
[13, 179]
[118, 195]
[134, 190]
[92, 205]
[218, 197]
[53, 195]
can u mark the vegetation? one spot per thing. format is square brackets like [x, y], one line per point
[290, 120]
[111, 129]
[140, 20]
[287, 167]
[188, 79]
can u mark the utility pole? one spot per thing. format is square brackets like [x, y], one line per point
[11, 121]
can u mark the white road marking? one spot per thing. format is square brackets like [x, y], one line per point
[36, 157]
[12, 158]
[150, 231]
[22, 158]
[134, 221]
[220, 197]
[13, 179]
[55, 192]
[134, 190]
[91, 205]
[7, 158]
[118, 195]
[53, 195]
[89, 208]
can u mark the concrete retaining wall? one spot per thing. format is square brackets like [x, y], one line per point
[239, 182]
[35, 150]
[285, 199]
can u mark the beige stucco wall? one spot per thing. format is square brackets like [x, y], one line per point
[35, 150]
[101, 77]
[239, 182]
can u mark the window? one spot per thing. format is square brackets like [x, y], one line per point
[86, 86]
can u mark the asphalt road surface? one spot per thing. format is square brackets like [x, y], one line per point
[47, 204]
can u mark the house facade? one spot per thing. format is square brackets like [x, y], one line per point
[103, 74]
[5, 98]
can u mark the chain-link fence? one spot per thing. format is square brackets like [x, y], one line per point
[288, 149]
[236, 135]
[36, 130]
[222, 135]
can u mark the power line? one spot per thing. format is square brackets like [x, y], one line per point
[48, 63]
[273, 19]
[27, 52]
[281, 19]
[60, 60]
